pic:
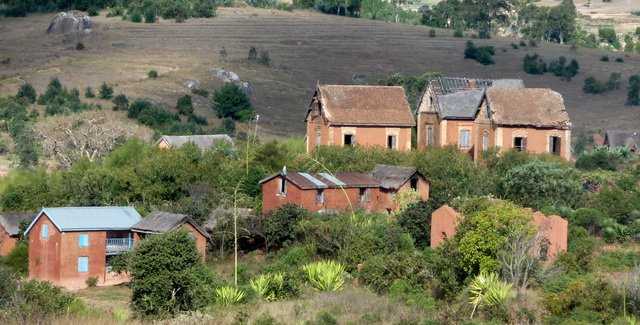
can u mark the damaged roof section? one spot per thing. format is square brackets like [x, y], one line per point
[393, 177]
[537, 107]
[161, 222]
[307, 181]
[365, 105]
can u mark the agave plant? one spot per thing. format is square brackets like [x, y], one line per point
[228, 295]
[268, 286]
[325, 275]
[487, 290]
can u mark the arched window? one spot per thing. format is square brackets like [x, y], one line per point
[485, 140]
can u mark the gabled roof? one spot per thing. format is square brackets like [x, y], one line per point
[450, 85]
[460, 105]
[204, 141]
[89, 218]
[619, 138]
[365, 105]
[393, 177]
[160, 222]
[11, 221]
[537, 107]
[308, 181]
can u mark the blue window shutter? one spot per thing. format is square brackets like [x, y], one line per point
[83, 264]
[83, 240]
[44, 232]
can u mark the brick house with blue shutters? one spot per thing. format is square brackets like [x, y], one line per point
[69, 245]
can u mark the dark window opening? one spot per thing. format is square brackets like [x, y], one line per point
[364, 195]
[392, 142]
[430, 137]
[283, 185]
[520, 143]
[414, 183]
[349, 140]
[320, 197]
[554, 145]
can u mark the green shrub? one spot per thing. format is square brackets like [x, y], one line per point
[482, 54]
[514, 46]
[279, 226]
[93, 11]
[120, 103]
[230, 101]
[458, 32]
[274, 286]
[582, 295]
[538, 184]
[487, 291]
[204, 8]
[608, 34]
[185, 105]
[169, 265]
[253, 54]
[534, 64]
[105, 91]
[54, 89]
[560, 68]
[579, 255]
[432, 33]
[18, 259]
[91, 282]
[593, 86]
[227, 296]
[115, 11]
[37, 301]
[88, 93]
[416, 220]
[633, 90]
[150, 16]
[152, 74]
[135, 17]
[325, 275]
[264, 58]
[27, 93]
[381, 271]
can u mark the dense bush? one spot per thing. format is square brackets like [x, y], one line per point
[88, 93]
[231, 101]
[152, 74]
[416, 220]
[185, 105]
[482, 54]
[608, 34]
[27, 93]
[280, 224]
[534, 64]
[633, 90]
[538, 184]
[579, 255]
[602, 158]
[560, 68]
[585, 300]
[381, 271]
[120, 103]
[18, 259]
[105, 91]
[167, 276]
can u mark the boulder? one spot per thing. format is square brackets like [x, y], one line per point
[192, 84]
[225, 75]
[70, 22]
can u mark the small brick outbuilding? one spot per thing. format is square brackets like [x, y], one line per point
[324, 192]
[161, 222]
[10, 223]
[553, 229]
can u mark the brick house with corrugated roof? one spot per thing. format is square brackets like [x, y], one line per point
[347, 115]
[160, 222]
[324, 192]
[69, 245]
[476, 115]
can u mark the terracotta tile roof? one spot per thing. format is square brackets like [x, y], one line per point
[537, 107]
[365, 105]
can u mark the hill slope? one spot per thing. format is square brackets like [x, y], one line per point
[305, 48]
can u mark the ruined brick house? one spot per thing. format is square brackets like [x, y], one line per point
[323, 192]
[161, 222]
[10, 223]
[478, 114]
[203, 142]
[347, 115]
[69, 245]
[552, 230]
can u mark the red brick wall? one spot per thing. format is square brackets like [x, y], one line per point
[7, 243]
[70, 250]
[44, 254]
[334, 198]
[201, 241]
[444, 221]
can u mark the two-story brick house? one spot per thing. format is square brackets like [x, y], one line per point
[347, 115]
[478, 114]
[69, 245]
[324, 192]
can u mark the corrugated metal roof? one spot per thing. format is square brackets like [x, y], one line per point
[332, 179]
[90, 218]
[161, 222]
[393, 177]
[315, 181]
[460, 105]
[338, 180]
[11, 221]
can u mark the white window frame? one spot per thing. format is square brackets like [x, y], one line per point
[461, 144]
[44, 231]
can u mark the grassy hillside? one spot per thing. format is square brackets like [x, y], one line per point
[305, 48]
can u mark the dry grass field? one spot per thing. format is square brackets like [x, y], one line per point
[596, 13]
[305, 48]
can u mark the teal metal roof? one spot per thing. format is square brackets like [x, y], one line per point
[90, 218]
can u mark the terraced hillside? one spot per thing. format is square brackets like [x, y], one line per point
[305, 48]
